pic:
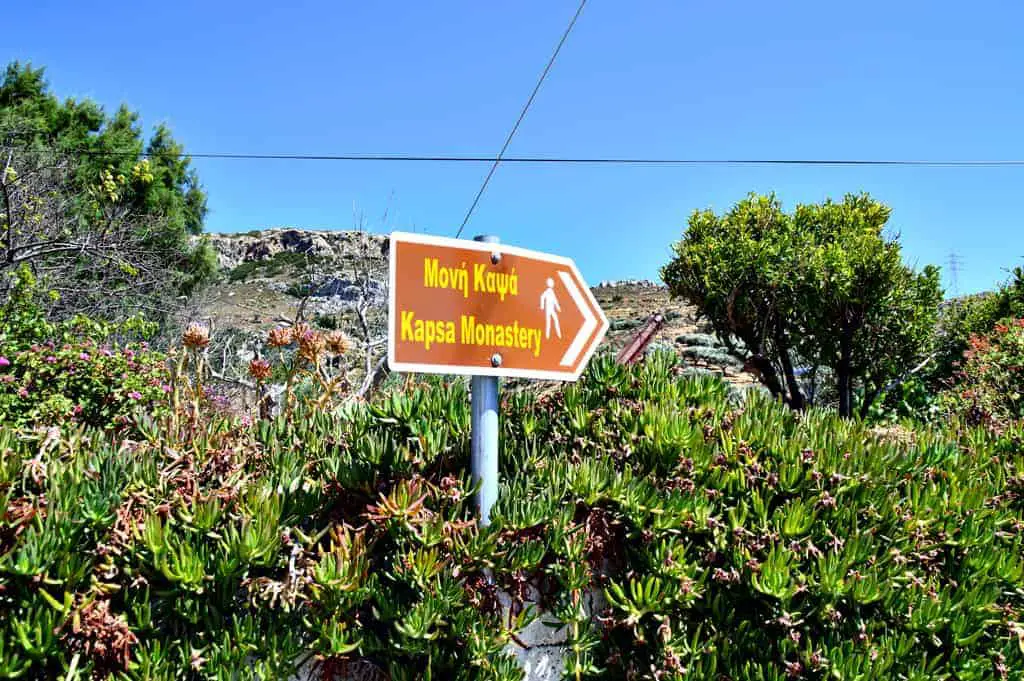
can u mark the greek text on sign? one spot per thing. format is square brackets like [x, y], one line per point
[466, 307]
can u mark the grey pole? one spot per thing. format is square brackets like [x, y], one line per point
[484, 434]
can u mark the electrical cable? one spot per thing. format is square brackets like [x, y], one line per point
[522, 115]
[582, 160]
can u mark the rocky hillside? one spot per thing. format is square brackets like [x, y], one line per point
[339, 278]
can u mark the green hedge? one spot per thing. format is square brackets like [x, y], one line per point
[740, 542]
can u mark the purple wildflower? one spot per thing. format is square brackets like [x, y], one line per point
[4, 362]
[135, 395]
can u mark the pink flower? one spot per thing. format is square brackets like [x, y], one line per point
[4, 362]
[135, 395]
[77, 410]
[51, 360]
[23, 392]
[106, 352]
[84, 356]
[129, 353]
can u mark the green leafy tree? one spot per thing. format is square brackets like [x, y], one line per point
[84, 192]
[734, 268]
[821, 292]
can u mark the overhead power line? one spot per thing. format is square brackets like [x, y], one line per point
[522, 115]
[567, 160]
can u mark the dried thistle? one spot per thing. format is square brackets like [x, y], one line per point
[338, 343]
[298, 331]
[259, 369]
[196, 336]
[311, 345]
[279, 337]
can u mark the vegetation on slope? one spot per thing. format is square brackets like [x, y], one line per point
[726, 539]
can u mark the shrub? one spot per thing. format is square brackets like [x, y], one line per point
[300, 289]
[326, 321]
[748, 543]
[243, 271]
[701, 339]
[278, 263]
[78, 370]
[672, 315]
[974, 315]
[911, 399]
[990, 386]
[624, 324]
[713, 355]
[84, 382]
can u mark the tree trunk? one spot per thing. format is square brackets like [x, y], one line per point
[796, 396]
[869, 398]
[844, 381]
[760, 366]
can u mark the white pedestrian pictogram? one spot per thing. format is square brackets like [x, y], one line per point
[549, 303]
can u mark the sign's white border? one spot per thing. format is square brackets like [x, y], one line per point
[465, 370]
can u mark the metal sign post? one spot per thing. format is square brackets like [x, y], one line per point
[484, 431]
[487, 311]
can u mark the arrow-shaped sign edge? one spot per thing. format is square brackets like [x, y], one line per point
[589, 320]
[589, 304]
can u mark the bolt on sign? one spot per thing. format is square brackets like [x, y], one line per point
[487, 309]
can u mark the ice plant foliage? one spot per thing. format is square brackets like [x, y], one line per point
[670, 529]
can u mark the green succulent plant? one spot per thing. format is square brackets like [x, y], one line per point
[668, 529]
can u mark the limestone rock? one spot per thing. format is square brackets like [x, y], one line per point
[332, 247]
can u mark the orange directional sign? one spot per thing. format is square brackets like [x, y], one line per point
[465, 307]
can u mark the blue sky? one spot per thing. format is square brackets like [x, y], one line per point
[739, 79]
